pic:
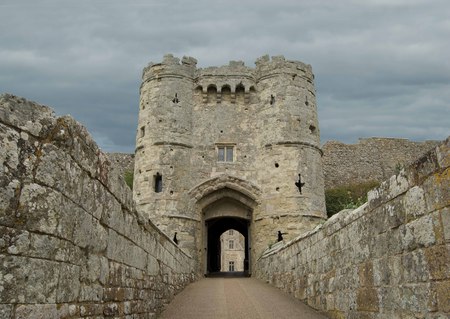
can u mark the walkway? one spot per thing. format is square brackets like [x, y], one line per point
[220, 298]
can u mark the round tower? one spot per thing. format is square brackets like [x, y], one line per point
[289, 161]
[163, 146]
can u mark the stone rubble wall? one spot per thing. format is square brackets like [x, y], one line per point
[371, 159]
[122, 162]
[71, 242]
[386, 259]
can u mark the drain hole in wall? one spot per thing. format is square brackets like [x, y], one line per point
[171, 192]
[221, 131]
[277, 189]
[277, 165]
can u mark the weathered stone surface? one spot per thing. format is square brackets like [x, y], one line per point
[44, 311]
[65, 218]
[6, 311]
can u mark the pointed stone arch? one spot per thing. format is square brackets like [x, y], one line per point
[223, 186]
[224, 202]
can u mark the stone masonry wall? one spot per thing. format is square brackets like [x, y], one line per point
[122, 162]
[71, 242]
[372, 159]
[387, 259]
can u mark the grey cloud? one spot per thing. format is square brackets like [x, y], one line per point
[381, 66]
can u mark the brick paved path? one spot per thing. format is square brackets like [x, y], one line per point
[235, 298]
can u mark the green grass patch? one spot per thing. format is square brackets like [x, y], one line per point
[128, 176]
[347, 196]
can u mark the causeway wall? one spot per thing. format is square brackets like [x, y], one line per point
[71, 242]
[388, 258]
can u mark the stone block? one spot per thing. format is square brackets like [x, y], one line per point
[14, 241]
[39, 208]
[36, 311]
[91, 292]
[390, 299]
[414, 203]
[423, 167]
[415, 267]
[418, 233]
[388, 190]
[91, 310]
[68, 283]
[443, 296]
[89, 233]
[16, 273]
[436, 192]
[67, 310]
[416, 297]
[438, 259]
[26, 115]
[367, 299]
[123, 250]
[6, 311]
[388, 271]
[365, 271]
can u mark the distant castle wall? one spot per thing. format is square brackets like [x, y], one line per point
[71, 243]
[386, 259]
[372, 159]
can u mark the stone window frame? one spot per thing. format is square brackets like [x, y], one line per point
[231, 244]
[231, 265]
[226, 147]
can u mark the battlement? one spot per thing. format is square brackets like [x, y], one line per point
[170, 67]
[218, 76]
[277, 65]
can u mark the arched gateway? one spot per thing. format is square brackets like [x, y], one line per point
[225, 203]
[228, 147]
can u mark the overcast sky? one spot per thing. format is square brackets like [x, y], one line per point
[382, 66]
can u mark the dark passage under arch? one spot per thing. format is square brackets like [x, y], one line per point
[215, 228]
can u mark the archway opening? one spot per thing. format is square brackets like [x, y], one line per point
[215, 227]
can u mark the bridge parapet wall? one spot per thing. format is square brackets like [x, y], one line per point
[71, 242]
[386, 259]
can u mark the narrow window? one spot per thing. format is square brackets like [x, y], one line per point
[231, 266]
[142, 131]
[225, 153]
[158, 182]
[230, 232]
[231, 244]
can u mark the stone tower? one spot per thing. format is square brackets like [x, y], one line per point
[229, 147]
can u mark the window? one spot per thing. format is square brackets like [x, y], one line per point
[142, 131]
[230, 244]
[231, 266]
[158, 182]
[225, 153]
[230, 232]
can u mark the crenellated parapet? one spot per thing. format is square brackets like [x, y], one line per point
[170, 67]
